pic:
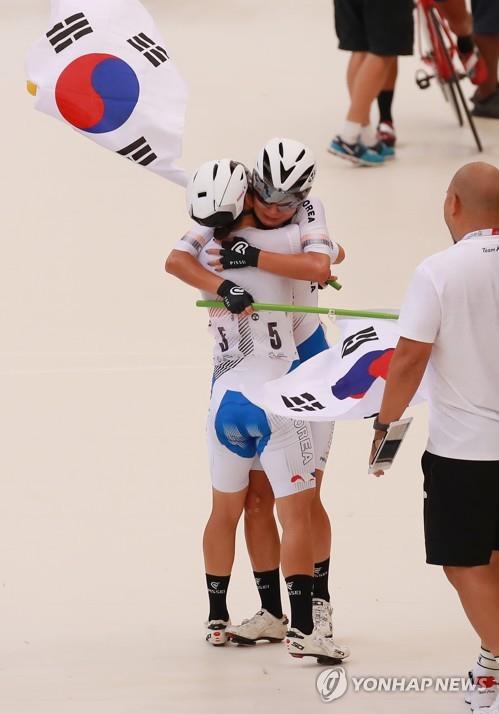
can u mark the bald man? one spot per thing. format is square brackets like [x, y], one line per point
[450, 323]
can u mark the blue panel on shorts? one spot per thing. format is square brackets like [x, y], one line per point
[313, 345]
[241, 426]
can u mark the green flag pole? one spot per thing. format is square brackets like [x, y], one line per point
[306, 309]
[334, 284]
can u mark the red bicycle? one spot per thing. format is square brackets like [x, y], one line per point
[438, 52]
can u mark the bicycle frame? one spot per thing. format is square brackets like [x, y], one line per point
[432, 55]
[438, 51]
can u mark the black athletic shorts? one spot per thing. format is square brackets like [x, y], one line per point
[485, 16]
[382, 27]
[461, 510]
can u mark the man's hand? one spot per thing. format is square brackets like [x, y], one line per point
[236, 253]
[235, 298]
[378, 438]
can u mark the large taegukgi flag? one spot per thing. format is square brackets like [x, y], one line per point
[103, 68]
[344, 382]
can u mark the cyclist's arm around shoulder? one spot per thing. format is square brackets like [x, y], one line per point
[314, 232]
[183, 261]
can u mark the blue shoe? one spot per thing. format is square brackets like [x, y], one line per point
[382, 149]
[356, 153]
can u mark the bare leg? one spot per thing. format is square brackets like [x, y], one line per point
[356, 60]
[297, 554]
[458, 17]
[391, 76]
[386, 132]
[367, 84]
[321, 525]
[260, 528]
[478, 590]
[220, 532]
[489, 49]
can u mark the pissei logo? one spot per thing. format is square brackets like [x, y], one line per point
[239, 246]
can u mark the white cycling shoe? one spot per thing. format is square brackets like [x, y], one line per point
[485, 700]
[215, 632]
[262, 626]
[324, 649]
[483, 692]
[322, 615]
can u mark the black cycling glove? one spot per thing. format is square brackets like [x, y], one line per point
[235, 299]
[238, 253]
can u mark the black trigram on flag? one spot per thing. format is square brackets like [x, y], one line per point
[304, 403]
[352, 343]
[139, 151]
[68, 31]
[153, 52]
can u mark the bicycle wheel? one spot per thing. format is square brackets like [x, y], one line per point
[446, 74]
[469, 118]
[454, 84]
[449, 90]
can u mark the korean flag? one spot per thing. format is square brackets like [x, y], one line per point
[103, 68]
[344, 382]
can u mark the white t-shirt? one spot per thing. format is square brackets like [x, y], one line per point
[453, 302]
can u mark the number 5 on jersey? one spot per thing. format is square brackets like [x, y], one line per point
[224, 344]
[275, 339]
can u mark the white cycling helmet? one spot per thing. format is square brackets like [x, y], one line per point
[216, 191]
[284, 172]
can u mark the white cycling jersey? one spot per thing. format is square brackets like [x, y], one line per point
[265, 335]
[262, 346]
[310, 219]
[249, 348]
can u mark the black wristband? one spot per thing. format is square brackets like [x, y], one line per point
[379, 426]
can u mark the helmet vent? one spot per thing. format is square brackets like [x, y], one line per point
[300, 155]
[302, 180]
[202, 194]
[281, 149]
[267, 172]
[215, 170]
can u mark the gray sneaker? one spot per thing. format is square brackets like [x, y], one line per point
[488, 108]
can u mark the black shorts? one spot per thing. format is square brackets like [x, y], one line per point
[485, 16]
[382, 27]
[461, 510]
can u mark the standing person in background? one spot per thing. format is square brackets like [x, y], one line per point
[479, 30]
[386, 128]
[376, 32]
[486, 27]
[450, 322]
[461, 23]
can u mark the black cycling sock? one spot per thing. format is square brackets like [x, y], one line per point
[300, 599]
[269, 589]
[385, 99]
[465, 45]
[217, 593]
[321, 577]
